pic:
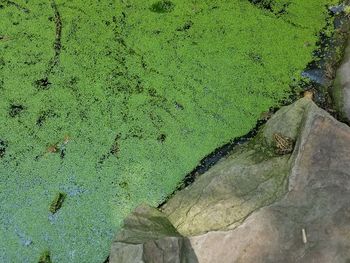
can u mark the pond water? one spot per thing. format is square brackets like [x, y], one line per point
[111, 103]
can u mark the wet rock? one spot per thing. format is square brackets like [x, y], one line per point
[148, 236]
[310, 223]
[337, 8]
[341, 91]
[316, 75]
[287, 121]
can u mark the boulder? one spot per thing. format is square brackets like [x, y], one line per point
[311, 222]
[148, 236]
[341, 90]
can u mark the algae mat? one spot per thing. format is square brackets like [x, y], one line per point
[107, 104]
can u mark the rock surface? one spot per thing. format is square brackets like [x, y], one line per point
[342, 85]
[148, 236]
[256, 206]
[318, 201]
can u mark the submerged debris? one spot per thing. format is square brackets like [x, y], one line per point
[15, 109]
[52, 148]
[164, 6]
[57, 202]
[18, 6]
[3, 146]
[45, 257]
[115, 146]
[161, 138]
[278, 8]
[58, 32]
[58, 147]
[43, 83]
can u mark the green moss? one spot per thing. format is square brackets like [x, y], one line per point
[347, 10]
[141, 102]
[261, 149]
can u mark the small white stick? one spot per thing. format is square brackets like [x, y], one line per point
[303, 233]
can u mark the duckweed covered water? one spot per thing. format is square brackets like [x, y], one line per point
[112, 103]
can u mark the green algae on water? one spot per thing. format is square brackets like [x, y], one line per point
[144, 89]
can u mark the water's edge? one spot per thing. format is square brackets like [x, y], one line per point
[321, 74]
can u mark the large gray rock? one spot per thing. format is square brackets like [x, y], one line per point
[318, 201]
[148, 236]
[341, 91]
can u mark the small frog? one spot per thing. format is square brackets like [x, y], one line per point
[283, 144]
